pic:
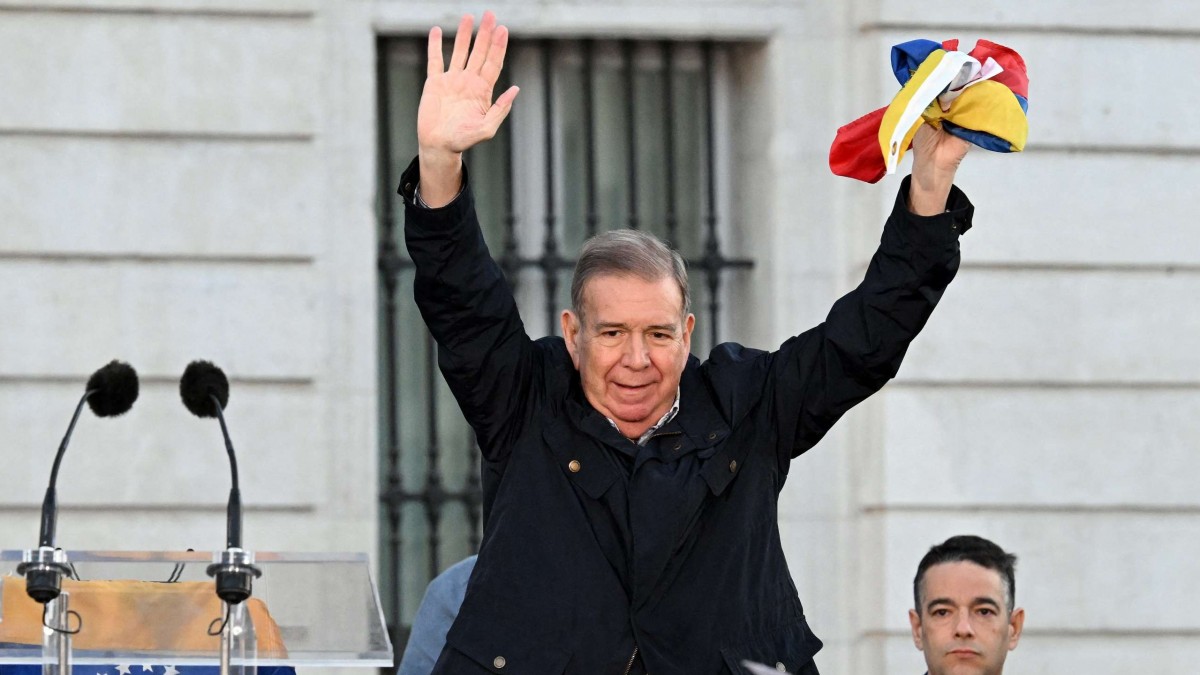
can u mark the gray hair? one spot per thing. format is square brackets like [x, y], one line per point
[628, 252]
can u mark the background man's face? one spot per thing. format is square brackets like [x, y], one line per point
[964, 627]
[630, 347]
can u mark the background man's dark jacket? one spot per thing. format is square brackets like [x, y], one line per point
[594, 546]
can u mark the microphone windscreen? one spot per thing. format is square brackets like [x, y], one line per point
[201, 380]
[115, 388]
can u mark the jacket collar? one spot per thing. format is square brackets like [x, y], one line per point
[699, 419]
[698, 427]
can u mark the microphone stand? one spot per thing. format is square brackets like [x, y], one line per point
[115, 386]
[45, 566]
[235, 566]
[234, 570]
[60, 633]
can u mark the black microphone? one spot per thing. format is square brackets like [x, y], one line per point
[110, 391]
[205, 392]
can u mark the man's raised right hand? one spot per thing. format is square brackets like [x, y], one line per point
[456, 110]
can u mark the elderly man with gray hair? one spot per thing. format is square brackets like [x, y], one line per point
[630, 489]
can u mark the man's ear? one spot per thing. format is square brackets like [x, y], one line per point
[914, 620]
[1015, 623]
[571, 331]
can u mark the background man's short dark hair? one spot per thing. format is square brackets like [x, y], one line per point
[970, 548]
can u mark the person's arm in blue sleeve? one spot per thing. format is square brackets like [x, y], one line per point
[438, 609]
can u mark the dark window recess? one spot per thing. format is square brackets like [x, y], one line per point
[632, 142]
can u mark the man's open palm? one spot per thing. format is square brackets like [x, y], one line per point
[456, 110]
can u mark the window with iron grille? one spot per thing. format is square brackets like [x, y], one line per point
[605, 134]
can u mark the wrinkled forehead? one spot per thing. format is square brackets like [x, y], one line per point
[622, 292]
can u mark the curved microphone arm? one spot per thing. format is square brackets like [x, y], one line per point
[235, 570]
[233, 511]
[50, 502]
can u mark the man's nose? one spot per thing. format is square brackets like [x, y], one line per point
[636, 354]
[963, 627]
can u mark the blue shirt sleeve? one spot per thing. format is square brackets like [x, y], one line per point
[436, 613]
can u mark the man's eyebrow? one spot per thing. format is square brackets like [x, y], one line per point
[937, 601]
[981, 600]
[667, 327]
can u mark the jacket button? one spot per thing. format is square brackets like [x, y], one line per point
[574, 466]
[712, 436]
[780, 667]
[678, 445]
[733, 466]
[499, 662]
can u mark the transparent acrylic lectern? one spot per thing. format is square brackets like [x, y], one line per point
[137, 608]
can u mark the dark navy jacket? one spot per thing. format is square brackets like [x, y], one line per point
[594, 546]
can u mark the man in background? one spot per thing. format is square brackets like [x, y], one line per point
[965, 619]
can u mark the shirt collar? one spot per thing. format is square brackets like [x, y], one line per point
[670, 415]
